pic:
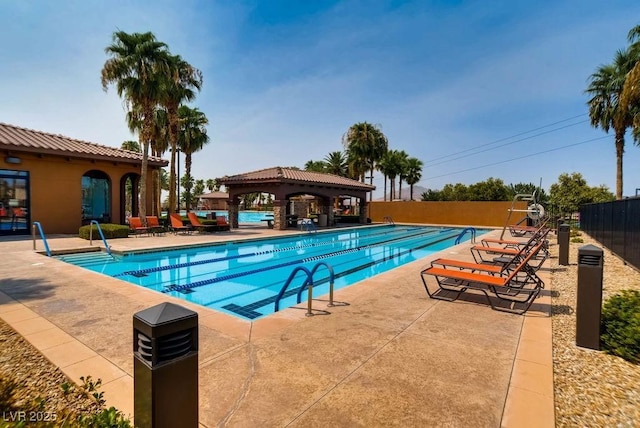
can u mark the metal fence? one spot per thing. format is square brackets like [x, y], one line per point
[616, 225]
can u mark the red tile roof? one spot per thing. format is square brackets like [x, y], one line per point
[16, 139]
[295, 175]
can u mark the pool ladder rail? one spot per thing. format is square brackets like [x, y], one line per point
[471, 230]
[308, 284]
[37, 225]
[104, 240]
[308, 225]
[387, 219]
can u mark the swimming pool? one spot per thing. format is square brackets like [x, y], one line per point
[243, 216]
[244, 278]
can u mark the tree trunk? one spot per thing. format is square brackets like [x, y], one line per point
[385, 188]
[187, 167]
[173, 140]
[619, 156]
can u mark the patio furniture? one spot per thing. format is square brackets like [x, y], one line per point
[195, 222]
[177, 226]
[153, 223]
[518, 285]
[222, 224]
[136, 227]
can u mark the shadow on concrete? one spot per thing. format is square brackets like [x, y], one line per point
[26, 289]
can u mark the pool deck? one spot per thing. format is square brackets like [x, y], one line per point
[386, 355]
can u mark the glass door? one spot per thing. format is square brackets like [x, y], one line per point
[14, 202]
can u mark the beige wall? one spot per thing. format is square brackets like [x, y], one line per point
[56, 188]
[462, 213]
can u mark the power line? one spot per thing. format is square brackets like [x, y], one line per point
[510, 137]
[519, 157]
[503, 145]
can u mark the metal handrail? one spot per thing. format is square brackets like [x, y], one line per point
[387, 219]
[101, 235]
[308, 284]
[33, 234]
[468, 229]
[293, 273]
[331, 279]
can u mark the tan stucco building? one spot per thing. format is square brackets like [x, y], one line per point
[63, 183]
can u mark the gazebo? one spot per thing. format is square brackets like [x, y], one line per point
[285, 183]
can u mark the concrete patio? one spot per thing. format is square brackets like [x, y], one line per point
[389, 356]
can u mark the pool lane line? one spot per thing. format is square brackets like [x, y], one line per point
[281, 265]
[143, 272]
[252, 307]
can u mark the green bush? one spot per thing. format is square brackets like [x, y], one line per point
[620, 329]
[577, 240]
[110, 231]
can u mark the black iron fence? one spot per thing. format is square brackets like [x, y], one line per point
[616, 225]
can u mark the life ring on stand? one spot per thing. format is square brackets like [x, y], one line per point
[535, 211]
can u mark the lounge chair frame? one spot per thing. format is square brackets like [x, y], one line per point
[519, 285]
[177, 226]
[196, 224]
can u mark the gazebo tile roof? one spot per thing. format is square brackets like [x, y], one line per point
[295, 175]
[28, 140]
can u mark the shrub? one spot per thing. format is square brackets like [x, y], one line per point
[620, 329]
[577, 240]
[110, 231]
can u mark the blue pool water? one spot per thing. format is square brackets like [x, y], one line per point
[243, 278]
[243, 216]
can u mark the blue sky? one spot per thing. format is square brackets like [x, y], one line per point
[465, 86]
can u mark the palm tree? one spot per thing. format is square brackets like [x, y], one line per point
[605, 88]
[315, 166]
[178, 87]
[192, 138]
[366, 145]
[630, 96]
[402, 169]
[211, 184]
[414, 173]
[384, 166]
[135, 62]
[131, 145]
[158, 145]
[336, 163]
[393, 167]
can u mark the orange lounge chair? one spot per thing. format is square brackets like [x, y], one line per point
[518, 287]
[195, 222]
[154, 225]
[178, 226]
[136, 227]
[222, 224]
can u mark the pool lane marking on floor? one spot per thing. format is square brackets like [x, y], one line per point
[204, 282]
[143, 272]
[249, 310]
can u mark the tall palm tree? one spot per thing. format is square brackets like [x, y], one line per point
[366, 145]
[135, 62]
[403, 157]
[336, 163]
[630, 96]
[179, 85]
[158, 145]
[393, 166]
[384, 166]
[211, 184]
[414, 174]
[191, 138]
[605, 88]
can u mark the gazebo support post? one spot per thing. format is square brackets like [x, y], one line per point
[234, 204]
[280, 214]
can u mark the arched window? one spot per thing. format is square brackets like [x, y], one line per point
[96, 197]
